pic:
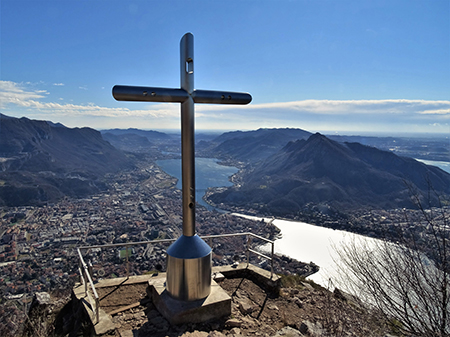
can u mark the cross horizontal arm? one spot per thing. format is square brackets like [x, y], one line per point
[220, 97]
[154, 94]
[149, 94]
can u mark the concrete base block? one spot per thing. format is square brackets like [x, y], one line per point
[216, 305]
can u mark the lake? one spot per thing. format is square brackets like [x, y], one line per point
[309, 243]
[208, 173]
[444, 165]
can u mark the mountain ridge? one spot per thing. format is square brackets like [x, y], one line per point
[42, 161]
[251, 146]
[151, 135]
[323, 171]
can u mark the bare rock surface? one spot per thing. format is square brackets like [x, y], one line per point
[299, 310]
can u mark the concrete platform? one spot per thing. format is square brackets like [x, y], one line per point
[269, 281]
[216, 305]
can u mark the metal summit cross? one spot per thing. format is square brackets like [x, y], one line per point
[188, 258]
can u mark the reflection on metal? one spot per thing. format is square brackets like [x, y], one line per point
[194, 280]
[190, 278]
[189, 268]
[146, 94]
[191, 255]
[167, 95]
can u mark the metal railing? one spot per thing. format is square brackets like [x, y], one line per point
[86, 274]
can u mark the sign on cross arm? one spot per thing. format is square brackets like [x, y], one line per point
[187, 96]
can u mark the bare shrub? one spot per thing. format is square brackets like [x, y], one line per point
[409, 280]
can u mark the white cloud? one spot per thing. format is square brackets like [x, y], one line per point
[393, 114]
[13, 93]
[333, 107]
[95, 110]
[436, 112]
[58, 84]
[364, 115]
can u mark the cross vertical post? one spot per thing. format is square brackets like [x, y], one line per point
[188, 258]
[187, 134]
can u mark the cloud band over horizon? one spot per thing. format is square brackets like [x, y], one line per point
[405, 115]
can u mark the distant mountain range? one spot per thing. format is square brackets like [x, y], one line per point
[343, 175]
[41, 161]
[128, 142]
[149, 134]
[429, 148]
[250, 146]
[147, 142]
[283, 169]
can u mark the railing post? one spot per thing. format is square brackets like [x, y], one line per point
[271, 261]
[128, 265]
[80, 268]
[248, 249]
[210, 245]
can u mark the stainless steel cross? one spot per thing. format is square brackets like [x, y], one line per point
[187, 96]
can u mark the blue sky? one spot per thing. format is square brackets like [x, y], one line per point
[331, 66]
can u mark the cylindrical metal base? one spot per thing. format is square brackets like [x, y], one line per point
[189, 269]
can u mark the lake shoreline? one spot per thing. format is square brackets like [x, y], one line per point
[368, 223]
